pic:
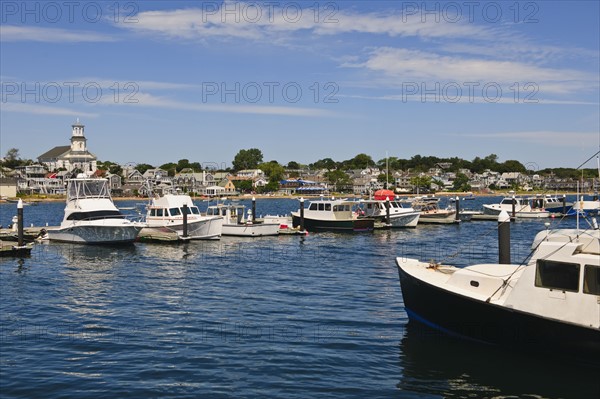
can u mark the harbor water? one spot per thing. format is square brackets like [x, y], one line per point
[317, 316]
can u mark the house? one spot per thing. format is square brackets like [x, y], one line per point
[250, 173]
[8, 187]
[71, 157]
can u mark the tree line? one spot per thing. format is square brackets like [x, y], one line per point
[253, 159]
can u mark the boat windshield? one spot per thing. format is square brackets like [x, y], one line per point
[95, 215]
[88, 188]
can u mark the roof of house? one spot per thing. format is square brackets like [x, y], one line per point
[55, 152]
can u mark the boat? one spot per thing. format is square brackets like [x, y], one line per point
[235, 223]
[522, 207]
[553, 204]
[431, 212]
[91, 217]
[547, 305]
[332, 215]
[401, 214]
[589, 207]
[165, 216]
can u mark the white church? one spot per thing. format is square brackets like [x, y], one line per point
[71, 157]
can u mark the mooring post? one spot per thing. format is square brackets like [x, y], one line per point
[20, 223]
[387, 210]
[301, 214]
[457, 203]
[504, 238]
[185, 221]
[253, 210]
[514, 205]
[564, 203]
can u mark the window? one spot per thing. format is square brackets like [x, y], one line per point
[195, 210]
[321, 207]
[313, 207]
[152, 212]
[159, 212]
[591, 280]
[557, 275]
[328, 207]
[174, 211]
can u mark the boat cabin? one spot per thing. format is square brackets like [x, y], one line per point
[231, 213]
[82, 188]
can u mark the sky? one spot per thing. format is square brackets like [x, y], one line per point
[158, 81]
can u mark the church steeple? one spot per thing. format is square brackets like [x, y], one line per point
[78, 140]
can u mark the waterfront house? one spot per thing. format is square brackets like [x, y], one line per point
[71, 157]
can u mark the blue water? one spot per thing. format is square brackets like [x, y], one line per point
[285, 317]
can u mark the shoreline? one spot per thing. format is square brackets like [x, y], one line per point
[445, 194]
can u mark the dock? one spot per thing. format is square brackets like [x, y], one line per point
[11, 249]
[29, 233]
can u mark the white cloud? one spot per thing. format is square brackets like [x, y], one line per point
[11, 33]
[44, 110]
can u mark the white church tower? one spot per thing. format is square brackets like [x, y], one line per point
[78, 140]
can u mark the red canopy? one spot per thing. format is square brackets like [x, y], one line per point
[381, 195]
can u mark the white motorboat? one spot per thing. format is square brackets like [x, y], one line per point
[521, 205]
[332, 215]
[431, 212]
[590, 206]
[401, 214]
[550, 304]
[91, 217]
[237, 224]
[177, 214]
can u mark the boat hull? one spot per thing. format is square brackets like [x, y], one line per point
[95, 234]
[251, 230]
[205, 229]
[348, 225]
[477, 320]
[495, 211]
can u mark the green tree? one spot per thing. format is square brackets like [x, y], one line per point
[461, 183]
[340, 180]
[247, 159]
[143, 167]
[170, 167]
[243, 186]
[273, 170]
[293, 165]
[325, 163]
[422, 182]
[12, 158]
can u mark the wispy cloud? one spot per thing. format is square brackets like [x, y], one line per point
[11, 33]
[149, 100]
[267, 22]
[44, 110]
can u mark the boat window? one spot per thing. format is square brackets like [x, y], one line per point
[186, 210]
[321, 207]
[195, 210]
[591, 280]
[152, 212]
[335, 208]
[557, 275]
[174, 211]
[328, 207]
[159, 212]
[95, 215]
[210, 211]
[313, 207]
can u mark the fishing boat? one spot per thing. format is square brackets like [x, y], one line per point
[332, 215]
[91, 217]
[400, 214]
[176, 214]
[235, 222]
[522, 208]
[431, 212]
[554, 204]
[548, 305]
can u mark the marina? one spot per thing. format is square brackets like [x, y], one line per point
[225, 312]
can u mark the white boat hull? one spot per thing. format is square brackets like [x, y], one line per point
[405, 219]
[251, 230]
[495, 210]
[204, 229]
[96, 233]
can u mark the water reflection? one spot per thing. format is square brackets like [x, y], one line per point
[433, 363]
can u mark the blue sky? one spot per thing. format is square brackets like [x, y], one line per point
[158, 81]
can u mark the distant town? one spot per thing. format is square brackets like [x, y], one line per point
[250, 174]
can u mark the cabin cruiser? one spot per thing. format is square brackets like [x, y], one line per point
[431, 212]
[235, 223]
[522, 208]
[400, 214]
[91, 217]
[551, 304]
[176, 213]
[332, 215]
